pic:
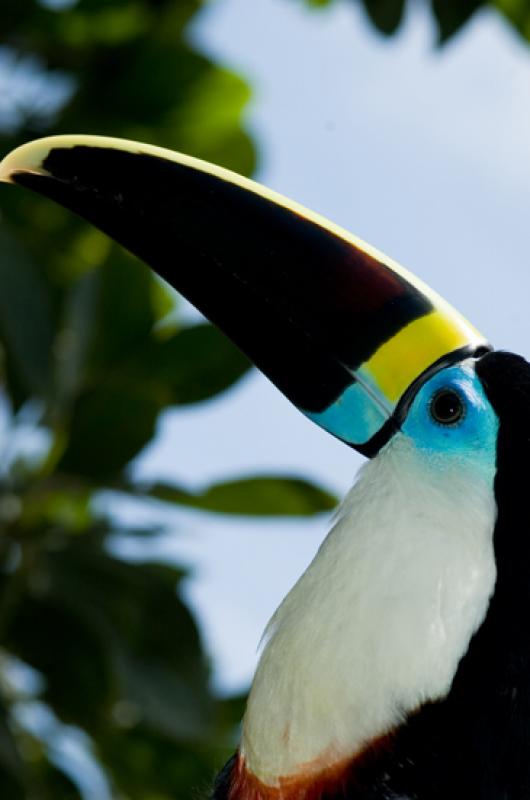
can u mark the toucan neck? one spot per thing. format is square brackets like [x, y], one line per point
[374, 628]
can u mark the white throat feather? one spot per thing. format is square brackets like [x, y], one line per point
[377, 624]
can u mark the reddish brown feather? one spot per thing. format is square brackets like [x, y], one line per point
[313, 783]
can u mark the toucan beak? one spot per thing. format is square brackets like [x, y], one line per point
[340, 329]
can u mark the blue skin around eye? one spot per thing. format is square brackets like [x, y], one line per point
[473, 439]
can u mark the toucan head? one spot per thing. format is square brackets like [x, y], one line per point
[380, 361]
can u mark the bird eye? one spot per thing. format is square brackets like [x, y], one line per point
[447, 407]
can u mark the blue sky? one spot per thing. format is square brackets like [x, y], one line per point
[425, 153]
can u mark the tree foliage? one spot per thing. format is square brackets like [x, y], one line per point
[94, 649]
[449, 16]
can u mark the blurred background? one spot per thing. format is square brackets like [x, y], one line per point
[157, 496]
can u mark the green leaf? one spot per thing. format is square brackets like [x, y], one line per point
[74, 341]
[110, 425]
[160, 696]
[65, 506]
[113, 642]
[26, 322]
[257, 496]
[319, 3]
[452, 15]
[11, 788]
[30, 770]
[517, 12]
[230, 712]
[10, 760]
[220, 96]
[125, 315]
[54, 783]
[386, 15]
[192, 364]
[68, 650]
[158, 667]
[148, 766]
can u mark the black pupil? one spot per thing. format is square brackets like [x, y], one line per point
[447, 407]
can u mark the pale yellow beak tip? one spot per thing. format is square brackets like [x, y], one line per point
[6, 172]
[26, 158]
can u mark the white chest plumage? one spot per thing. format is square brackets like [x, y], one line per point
[380, 619]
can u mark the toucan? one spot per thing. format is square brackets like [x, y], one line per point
[398, 667]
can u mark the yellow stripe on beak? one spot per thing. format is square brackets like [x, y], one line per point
[413, 349]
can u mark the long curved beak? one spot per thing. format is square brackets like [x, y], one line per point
[340, 329]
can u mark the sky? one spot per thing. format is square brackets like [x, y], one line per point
[421, 151]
